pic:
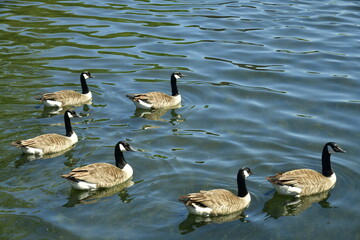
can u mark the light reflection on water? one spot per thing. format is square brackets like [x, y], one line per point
[267, 85]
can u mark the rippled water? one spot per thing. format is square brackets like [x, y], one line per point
[268, 83]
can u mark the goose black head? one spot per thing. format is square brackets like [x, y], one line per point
[125, 146]
[71, 113]
[86, 75]
[178, 75]
[246, 171]
[334, 147]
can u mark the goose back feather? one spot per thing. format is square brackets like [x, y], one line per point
[46, 143]
[65, 98]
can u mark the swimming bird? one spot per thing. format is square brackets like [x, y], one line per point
[219, 201]
[102, 175]
[52, 142]
[154, 100]
[304, 182]
[68, 97]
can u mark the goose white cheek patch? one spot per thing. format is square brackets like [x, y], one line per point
[85, 76]
[122, 148]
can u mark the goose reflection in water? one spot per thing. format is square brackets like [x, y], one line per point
[156, 114]
[90, 197]
[281, 205]
[51, 111]
[192, 222]
[24, 158]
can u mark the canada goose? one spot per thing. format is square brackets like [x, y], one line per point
[153, 100]
[68, 97]
[304, 182]
[52, 142]
[219, 201]
[102, 175]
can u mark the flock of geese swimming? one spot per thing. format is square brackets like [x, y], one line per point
[299, 182]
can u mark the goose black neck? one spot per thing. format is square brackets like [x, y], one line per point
[119, 158]
[174, 89]
[242, 190]
[84, 86]
[68, 126]
[326, 165]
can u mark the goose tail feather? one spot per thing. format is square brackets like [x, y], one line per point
[69, 177]
[274, 180]
[40, 97]
[185, 199]
[130, 96]
[16, 143]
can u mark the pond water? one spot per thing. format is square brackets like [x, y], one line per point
[268, 84]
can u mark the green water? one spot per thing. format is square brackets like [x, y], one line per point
[268, 84]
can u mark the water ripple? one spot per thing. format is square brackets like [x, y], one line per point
[268, 83]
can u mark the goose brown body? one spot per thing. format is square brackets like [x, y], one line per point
[103, 175]
[309, 181]
[304, 182]
[219, 201]
[155, 99]
[67, 97]
[49, 143]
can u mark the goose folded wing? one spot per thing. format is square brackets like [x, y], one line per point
[45, 140]
[297, 180]
[153, 97]
[61, 95]
[213, 199]
[102, 174]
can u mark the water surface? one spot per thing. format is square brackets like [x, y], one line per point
[268, 84]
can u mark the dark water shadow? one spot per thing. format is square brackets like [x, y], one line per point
[89, 197]
[192, 222]
[20, 226]
[280, 205]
